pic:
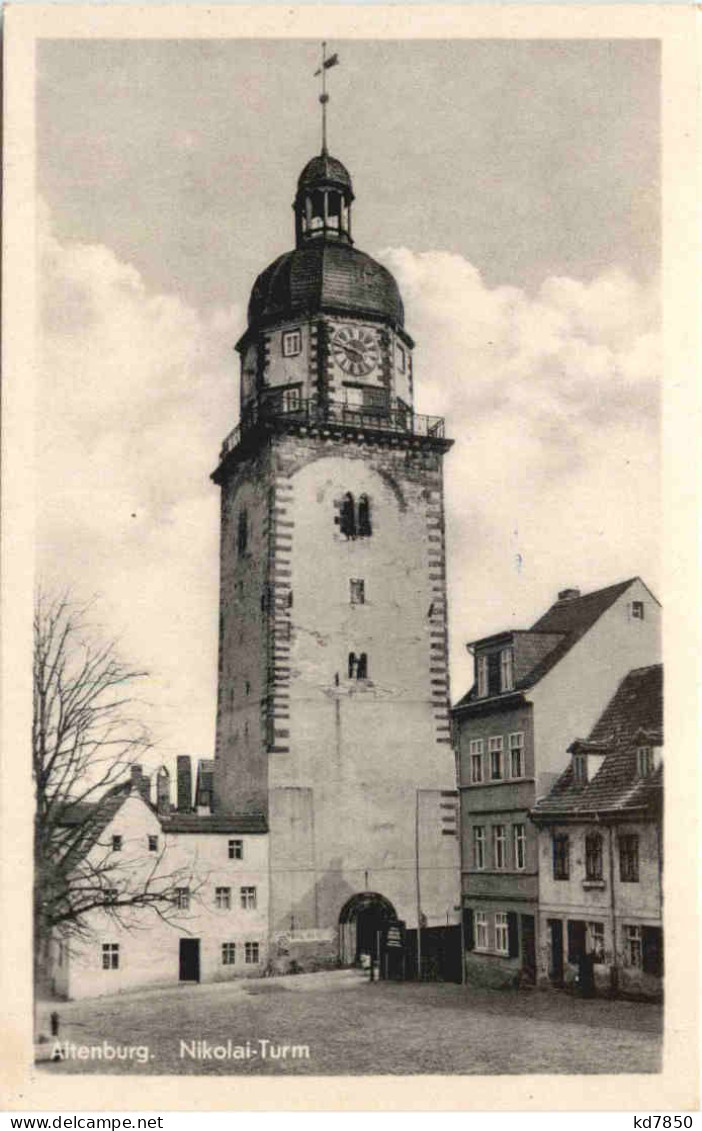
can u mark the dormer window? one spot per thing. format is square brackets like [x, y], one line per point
[580, 769]
[495, 672]
[645, 761]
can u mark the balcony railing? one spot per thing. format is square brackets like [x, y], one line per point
[287, 409]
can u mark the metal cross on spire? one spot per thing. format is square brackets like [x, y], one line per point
[332, 61]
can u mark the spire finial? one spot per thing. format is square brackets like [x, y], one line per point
[332, 61]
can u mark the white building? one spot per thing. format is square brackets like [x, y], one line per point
[212, 927]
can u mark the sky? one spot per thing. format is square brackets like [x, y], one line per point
[513, 189]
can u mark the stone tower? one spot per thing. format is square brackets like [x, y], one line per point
[332, 714]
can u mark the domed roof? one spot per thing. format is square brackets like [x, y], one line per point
[325, 276]
[324, 170]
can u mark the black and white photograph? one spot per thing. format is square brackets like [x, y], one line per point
[348, 556]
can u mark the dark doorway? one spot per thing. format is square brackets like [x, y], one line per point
[556, 970]
[360, 922]
[190, 960]
[528, 948]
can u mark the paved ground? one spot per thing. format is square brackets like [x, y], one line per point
[352, 1028]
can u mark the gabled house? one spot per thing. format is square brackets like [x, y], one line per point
[212, 869]
[534, 689]
[600, 850]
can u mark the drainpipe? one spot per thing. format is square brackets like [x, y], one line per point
[614, 969]
[419, 900]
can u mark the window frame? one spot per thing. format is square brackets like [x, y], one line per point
[182, 899]
[561, 856]
[633, 943]
[479, 848]
[228, 953]
[519, 750]
[223, 898]
[594, 857]
[152, 841]
[481, 676]
[520, 842]
[117, 842]
[499, 847]
[501, 931]
[507, 669]
[482, 926]
[645, 760]
[252, 953]
[110, 956]
[476, 753]
[496, 747]
[235, 849]
[629, 863]
[357, 591]
[595, 940]
[248, 897]
[289, 336]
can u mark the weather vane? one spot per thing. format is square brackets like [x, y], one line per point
[332, 61]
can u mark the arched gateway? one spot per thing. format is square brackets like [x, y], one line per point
[361, 918]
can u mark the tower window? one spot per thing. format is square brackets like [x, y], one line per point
[242, 532]
[347, 516]
[358, 591]
[358, 666]
[292, 343]
[364, 517]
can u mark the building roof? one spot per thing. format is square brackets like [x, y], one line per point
[566, 622]
[214, 823]
[635, 710]
[324, 170]
[324, 276]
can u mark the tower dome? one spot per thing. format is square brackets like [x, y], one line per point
[324, 272]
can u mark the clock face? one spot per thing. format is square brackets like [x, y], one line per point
[355, 350]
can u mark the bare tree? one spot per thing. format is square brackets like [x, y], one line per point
[85, 737]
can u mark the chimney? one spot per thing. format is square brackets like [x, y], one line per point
[184, 785]
[140, 783]
[568, 594]
[163, 791]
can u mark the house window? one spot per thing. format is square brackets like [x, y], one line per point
[506, 669]
[182, 899]
[593, 856]
[223, 898]
[580, 769]
[494, 678]
[633, 949]
[499, 846]
[516, 755]
[652, 951]
[358, 666]
[479, 847]
[228, 953]
[248, 898]
[117, 843]
[292, 343]
[291, 400]
[482, 677]
[242, 532]
[629, 859]
[637, 610]
[111, 895]
[357, 591]
[235, 849]
[476, 760]
[153, 843]
[110, 956]
[501, 933]
[495, 748]
[644, 761]
[251, 953]
[401, 359]
[519, 847]
[561, 857]
[481, 930]
[595, 941]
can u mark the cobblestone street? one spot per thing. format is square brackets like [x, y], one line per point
[351, 1027]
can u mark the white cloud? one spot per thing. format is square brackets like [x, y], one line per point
[136, 392]
[553, 401]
